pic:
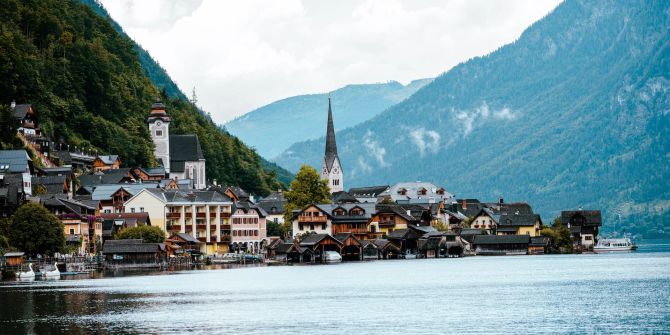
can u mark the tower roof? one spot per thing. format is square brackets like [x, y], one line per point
[158, 111]
[331, 145]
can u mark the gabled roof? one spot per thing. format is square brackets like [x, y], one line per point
[105, 192]
[15, 161]
[108, 159]
[502, 239]
[518, 220]
[134, 219]
[488, 212]
[342, 197]
[585, 217]
[274, 203]
[53, 184]
[368, 191]
[187, 238]
[342, 237]
[184, 148]
[249, 206]
[21, 110]
[539, 241]
[129, 246]
[112, 176]
[385, 244]
[313, 239]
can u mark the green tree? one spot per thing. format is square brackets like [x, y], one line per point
[36, 231]
[275, 229]
[560, 236]
[441, 226]
[306, 188]
[148, 234]
[8, 128]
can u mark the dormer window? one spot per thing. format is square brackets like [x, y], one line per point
[356, 211]
[402, 191]
[339, 212]
[422, 191]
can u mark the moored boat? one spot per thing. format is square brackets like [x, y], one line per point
[614, 245]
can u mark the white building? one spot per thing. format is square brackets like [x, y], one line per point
[331, 169]
[180, 155]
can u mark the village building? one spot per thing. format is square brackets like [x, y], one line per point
[149, 174]
[248, 228]
[183, 244]
[274, 205]
[134, 253]
[26, 117]
[584, 226]
[501, 244]
[390, 217]
[331, 219]
[487, 220]
[466, 207]
[539, 245]
[11, 193]
[113, 197]
[82, 225]
[406, 239]
[17, 162]
[367, 194]
[205, 215]
[518, 219]
[352, 249]
[416, 192]
[88, 182]
[109, 162]
[52, 185]
[180, 155]
[331, 168]
[318, 244]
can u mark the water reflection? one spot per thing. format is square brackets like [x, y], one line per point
[617, 293]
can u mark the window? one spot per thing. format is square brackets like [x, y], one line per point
[132, 210]
[71, 231]
[276, 220]
[336, 182]
[107, 211]
[588, 237]
[311, 227]
[141, 209]
[159, 133]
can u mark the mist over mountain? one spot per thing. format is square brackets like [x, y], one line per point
[575, 113]
[271, 129]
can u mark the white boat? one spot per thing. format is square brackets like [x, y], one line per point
[54, 274]
[27, 275]
[614, 245]
[332, 257]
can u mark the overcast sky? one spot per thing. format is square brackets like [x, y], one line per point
[241, 55]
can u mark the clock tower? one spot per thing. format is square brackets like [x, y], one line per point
[331, 169]
[159, 123]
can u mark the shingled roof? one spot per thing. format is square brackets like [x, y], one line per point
[129, 246]
[582, 217]
[15, 161]
[184, 148]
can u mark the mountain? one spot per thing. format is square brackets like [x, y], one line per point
[86, 81]
[297, 116]
[575, 113]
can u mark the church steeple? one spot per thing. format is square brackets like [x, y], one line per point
[332, 170]
[331, 145]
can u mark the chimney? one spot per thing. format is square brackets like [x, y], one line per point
[13, 104]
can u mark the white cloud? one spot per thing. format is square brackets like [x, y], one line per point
[425, 140]
[241, 55]
[374, 148]
[469, 118]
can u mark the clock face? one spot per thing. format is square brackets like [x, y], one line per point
[158, 124]
[335, 170]
[325, 170]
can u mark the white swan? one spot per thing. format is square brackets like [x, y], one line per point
[55, 274]
[27, 275]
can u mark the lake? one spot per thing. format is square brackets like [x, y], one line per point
[589, 293]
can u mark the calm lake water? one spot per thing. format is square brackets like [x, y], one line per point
[614, 293]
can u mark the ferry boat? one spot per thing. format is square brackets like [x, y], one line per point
[614, 244]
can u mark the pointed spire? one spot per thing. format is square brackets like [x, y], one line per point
[331, 146]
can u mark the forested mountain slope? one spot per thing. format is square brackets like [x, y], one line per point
[574, 113]
[86, 81]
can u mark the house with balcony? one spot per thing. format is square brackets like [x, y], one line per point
[108, 162]
[584, 226]
[205, 215]
[487, 220]
[114, 196]
[248, 228]
[333, 219]
[82, 223]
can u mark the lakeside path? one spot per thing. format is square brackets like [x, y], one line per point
[613, 293]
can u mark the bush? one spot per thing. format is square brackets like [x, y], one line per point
[34, 230]
[148, 234]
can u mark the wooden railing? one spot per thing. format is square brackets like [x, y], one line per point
[312, 219]
[173, 215]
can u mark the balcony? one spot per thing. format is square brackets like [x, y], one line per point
[200, 227]
[188, 228]
[387, 224]
[174, 227]
[173, 215]
[225, 215]
[225, 227]
[202, 239]
[200, 215]
[313, 219]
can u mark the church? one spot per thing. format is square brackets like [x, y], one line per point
[180, 155]
[332, 169]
